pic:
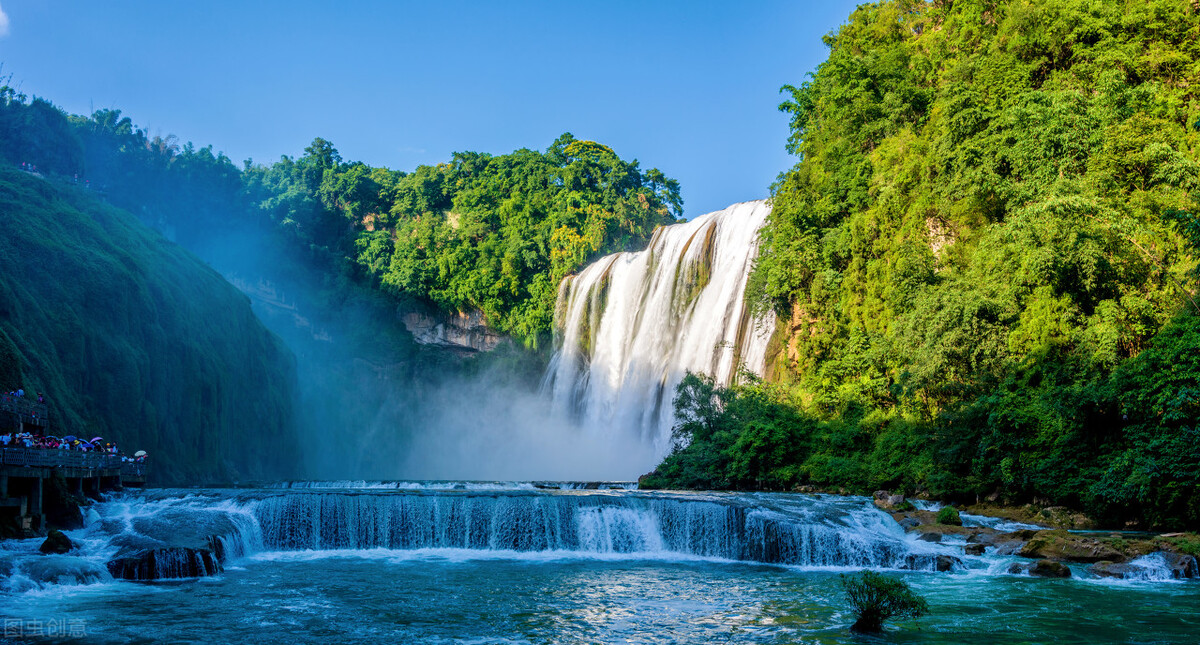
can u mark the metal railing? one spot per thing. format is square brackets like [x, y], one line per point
[26, 409]
[55, 458]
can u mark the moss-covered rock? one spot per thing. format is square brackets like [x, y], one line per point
[1060, 545]
[949, 515]
[1050, 569]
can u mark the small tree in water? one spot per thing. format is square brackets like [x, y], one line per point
[876, 598]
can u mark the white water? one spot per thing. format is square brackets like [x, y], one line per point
[434, 485]
[632, 324]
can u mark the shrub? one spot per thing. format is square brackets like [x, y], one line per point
[949, 515]
[876, 598]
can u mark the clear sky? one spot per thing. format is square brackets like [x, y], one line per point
[690, 87]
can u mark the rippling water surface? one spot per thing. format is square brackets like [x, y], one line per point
[591, 592]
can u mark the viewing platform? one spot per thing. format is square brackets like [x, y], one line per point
[24, 471]
[25, 413]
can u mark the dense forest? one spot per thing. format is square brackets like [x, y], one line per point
[987, 261]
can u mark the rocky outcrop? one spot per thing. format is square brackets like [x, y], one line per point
[889, 502]
[1060, 545]
[1009, 543]
[462, 331]
[1119, 570]
[948, 563]
[174, 543]
[1177, 565]
[1050, 569]
[1052, 516]
[165, 563]
[56, 542]
[940, 563]
[1181, 564]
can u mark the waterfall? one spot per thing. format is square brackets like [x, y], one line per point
[826, 534]
[630, 325]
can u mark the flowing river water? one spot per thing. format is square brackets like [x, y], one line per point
[506, 562]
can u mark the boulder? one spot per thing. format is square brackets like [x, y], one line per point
[56, 542]
[1060, 545]
[930, 537]
[159, 564]
[1019, 568]
[1107, 569]
[887, 501]
[1050, 569]
[948, 563]
[974, 549]
[910, 523]
[1181, 564]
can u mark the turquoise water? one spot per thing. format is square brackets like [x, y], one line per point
[611, 581]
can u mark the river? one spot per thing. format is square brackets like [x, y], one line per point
[504, 562]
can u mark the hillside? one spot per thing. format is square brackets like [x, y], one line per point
[987, 259]
[134, 339]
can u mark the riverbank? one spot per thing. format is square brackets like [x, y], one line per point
[1049, 537]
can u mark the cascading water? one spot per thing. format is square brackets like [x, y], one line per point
[508, 563]
[828, 533]
[630, 325]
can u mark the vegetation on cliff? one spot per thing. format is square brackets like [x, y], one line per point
[489, 233]
[134, 339]
[986, 257]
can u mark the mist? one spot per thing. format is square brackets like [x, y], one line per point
[374, 404]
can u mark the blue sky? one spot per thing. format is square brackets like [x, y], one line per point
[688, 87]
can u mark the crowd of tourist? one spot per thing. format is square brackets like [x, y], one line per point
[16, 401]
[95, 445]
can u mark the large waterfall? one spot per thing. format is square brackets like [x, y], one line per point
[632, 324]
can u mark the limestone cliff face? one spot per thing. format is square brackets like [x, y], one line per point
[462, 331]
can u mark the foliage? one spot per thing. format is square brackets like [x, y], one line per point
[876, 598]
[741, 437]
[489, 233]
[949, 515]
[988, 253]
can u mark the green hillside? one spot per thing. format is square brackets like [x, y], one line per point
[134, 339]
[984, 264]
